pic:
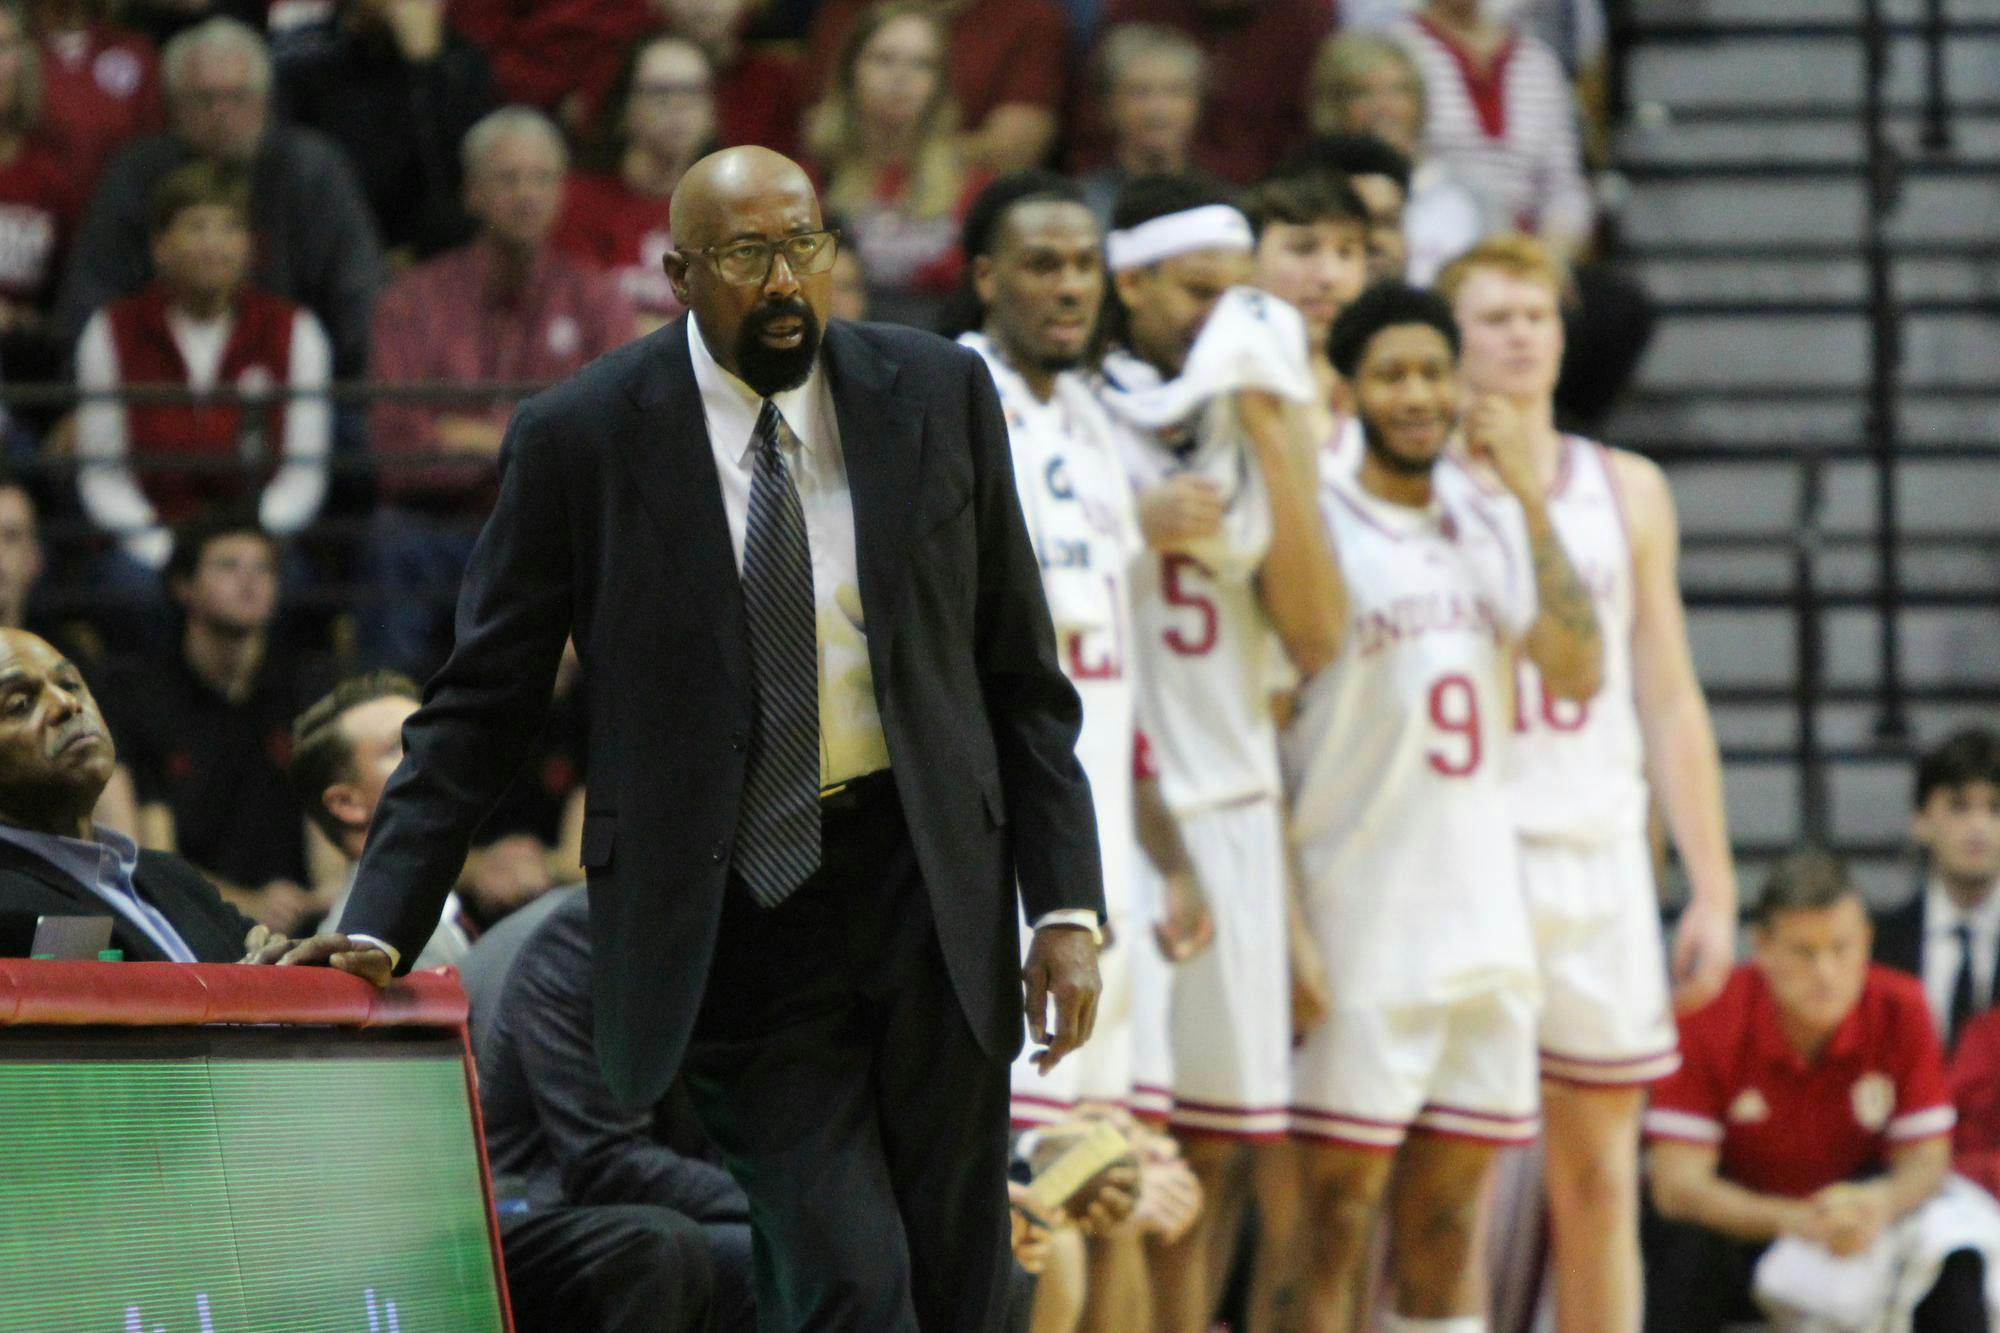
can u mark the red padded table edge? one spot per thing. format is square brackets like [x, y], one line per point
[44, 993]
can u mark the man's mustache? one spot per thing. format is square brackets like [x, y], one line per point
[792, 308]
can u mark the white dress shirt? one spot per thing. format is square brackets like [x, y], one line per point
[1942, 918]
[850, 728]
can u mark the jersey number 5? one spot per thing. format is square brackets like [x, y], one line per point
[1174, 579]
[1455, 713]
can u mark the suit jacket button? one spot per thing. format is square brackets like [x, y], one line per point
[737, 741]
[716, 854]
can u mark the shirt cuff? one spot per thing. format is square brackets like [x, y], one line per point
[1071, 916]
[395, 956]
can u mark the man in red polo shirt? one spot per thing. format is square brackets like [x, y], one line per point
[1811, 1102]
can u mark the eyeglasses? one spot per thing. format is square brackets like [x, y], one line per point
[746, 263]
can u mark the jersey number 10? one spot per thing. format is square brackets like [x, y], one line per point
[1556, 714]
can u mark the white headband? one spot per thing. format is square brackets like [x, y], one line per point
[1210, 227]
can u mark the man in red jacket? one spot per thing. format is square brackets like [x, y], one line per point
[199, 325]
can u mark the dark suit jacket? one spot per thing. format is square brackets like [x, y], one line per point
[1899, 943]
[610, 526]
[31, 887]
[553, 1131]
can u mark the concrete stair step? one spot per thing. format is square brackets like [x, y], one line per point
[1794, 70]
[1665, 142]
[1946, 497]
[1736, 211]
[1788, 281]
[1817, 351]
[1758, 647]
[1725, 12]
[1749, 420]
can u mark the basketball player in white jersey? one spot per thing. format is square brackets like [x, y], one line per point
[1397, 765]
[1232, 598]
[1036, 273]
[1580, 785]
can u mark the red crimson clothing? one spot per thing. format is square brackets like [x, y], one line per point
[443, 321]
[1001, 51]
[100, 87]
[610, 226]
[544, 50]
[1258, 72]
[39, 207]
[1975, 1090]
[1789, 1127]
[760, 98]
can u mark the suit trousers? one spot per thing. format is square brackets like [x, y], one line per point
[607, 1268]
[833, 1066]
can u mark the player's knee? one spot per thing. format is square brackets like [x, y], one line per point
[1598, 1184]
[1343, 1205]
[1435, 1234]
[655, 1261]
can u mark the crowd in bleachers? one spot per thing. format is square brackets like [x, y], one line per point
[211, 213]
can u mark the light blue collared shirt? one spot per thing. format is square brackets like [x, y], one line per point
[104, 863]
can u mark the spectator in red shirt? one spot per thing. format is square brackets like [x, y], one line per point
[761, 89]
[507, 308]
[659, 118]
[1150, 81]
[1260, 55]
[1811, 1102]
[1007, 71]
[889, 164]
[100, 82]
[545, 53]
[39, 203]
[1975, 1091]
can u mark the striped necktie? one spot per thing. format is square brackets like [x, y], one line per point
[777, 835]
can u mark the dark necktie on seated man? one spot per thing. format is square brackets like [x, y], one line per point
[1963, 1002]
[778, 837]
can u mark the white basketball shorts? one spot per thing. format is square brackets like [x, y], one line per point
[1230, 1021]
[1368, 1075]
[1607, 1016]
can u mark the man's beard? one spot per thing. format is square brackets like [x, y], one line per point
[772, 370]
[1389, 458]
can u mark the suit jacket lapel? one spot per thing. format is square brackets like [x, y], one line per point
[670, 459]
[881, 442]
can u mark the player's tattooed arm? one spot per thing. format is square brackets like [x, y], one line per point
[1565, 642]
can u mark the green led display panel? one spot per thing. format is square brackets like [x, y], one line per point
[330, 1188]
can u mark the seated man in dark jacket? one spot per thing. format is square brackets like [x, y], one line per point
[604, 1270]
[55, 757]
[554, 1134]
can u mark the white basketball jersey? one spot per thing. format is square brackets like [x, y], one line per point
[1209, 660]
[1070, 476]
[1397, 756]
[1578, 769]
